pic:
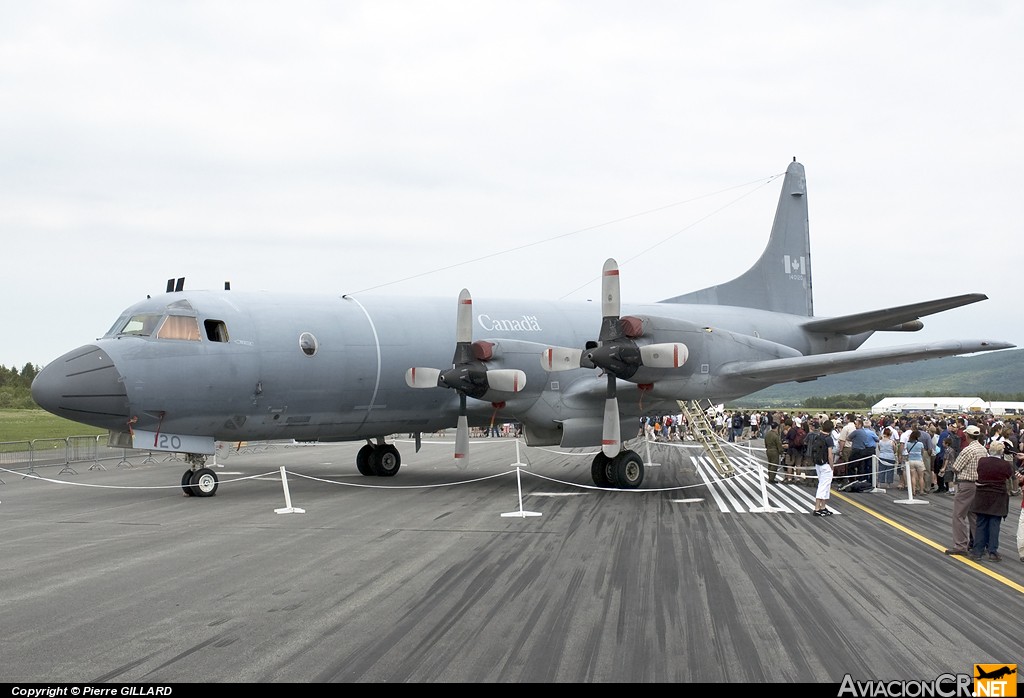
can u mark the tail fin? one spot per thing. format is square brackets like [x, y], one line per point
[781, 279]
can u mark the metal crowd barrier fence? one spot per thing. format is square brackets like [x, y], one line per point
[26, 456]
[14, 455]
[48, 452]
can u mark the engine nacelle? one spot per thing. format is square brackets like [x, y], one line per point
[707, 348]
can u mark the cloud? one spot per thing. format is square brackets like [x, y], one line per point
[342, 147]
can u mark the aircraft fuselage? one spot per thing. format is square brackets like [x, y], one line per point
[332, 367]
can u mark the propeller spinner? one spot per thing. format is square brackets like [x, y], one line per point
[469, 375]
[615, 353]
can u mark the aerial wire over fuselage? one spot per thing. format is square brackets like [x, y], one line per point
[760, 182]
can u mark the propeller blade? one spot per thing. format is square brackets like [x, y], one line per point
[422, 377]
[611, 442]
[667, 355]
[506, 379]
[464, 319]
[462, 442]
[610, 289]
[468, 375]
[561, 358]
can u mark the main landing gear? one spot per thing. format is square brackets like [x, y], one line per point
[625, 471]
[198, 481]
[379, 459]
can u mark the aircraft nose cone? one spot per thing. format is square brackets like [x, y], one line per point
[85, 386]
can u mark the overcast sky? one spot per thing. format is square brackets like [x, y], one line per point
[506, 147]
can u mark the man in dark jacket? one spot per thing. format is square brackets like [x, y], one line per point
[991, 502]
[772, 450]
[793, 441]
[736, 426]
[862, 450]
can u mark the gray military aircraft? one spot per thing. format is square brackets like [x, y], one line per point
[182, 370]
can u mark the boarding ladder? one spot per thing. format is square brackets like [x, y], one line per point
[704, 432]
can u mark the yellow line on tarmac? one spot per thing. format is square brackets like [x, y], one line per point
[927, 541]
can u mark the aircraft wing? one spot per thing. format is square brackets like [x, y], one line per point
[804, 368]
[901, 318]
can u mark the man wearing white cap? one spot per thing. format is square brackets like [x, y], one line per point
[966, 470]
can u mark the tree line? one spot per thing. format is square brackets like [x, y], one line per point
[16, 387]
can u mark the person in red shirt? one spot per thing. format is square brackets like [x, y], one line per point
[991, 503]
[958, 429]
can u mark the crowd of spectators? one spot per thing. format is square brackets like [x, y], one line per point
[955, 455]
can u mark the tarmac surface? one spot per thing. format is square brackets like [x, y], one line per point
[515, 569]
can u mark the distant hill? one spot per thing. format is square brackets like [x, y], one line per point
[997, 372]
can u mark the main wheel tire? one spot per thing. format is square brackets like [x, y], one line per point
[364, 459]
[611, 474]
[386, 460]
[204, 483]
[186, 483]
[599, 470]
[629, 470]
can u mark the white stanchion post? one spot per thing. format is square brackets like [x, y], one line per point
[765, 506]
[520, 514]
[288, 508]
[518, 462]
[910, 489]
[874, 475]
[647, 441]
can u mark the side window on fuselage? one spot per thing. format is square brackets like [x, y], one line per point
[216, 330]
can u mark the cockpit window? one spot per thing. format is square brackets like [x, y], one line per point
[117, 326]
[172, 327]
[142, 325]
[179, 327]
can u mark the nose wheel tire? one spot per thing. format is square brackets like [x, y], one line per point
[204, 483]
[186, 483]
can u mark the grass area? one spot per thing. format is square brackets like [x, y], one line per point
[26, 425]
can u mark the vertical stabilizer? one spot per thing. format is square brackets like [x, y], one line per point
[780, 280]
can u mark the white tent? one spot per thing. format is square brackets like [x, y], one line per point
[929, 405]
[1008, 408]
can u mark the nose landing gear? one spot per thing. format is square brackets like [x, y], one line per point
[198, 481]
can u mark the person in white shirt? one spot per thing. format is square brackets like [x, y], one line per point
[844, 442]
[835, 446]
[902, 457]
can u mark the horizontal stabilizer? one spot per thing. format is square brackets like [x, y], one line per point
[801, 368]
[890, 318]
